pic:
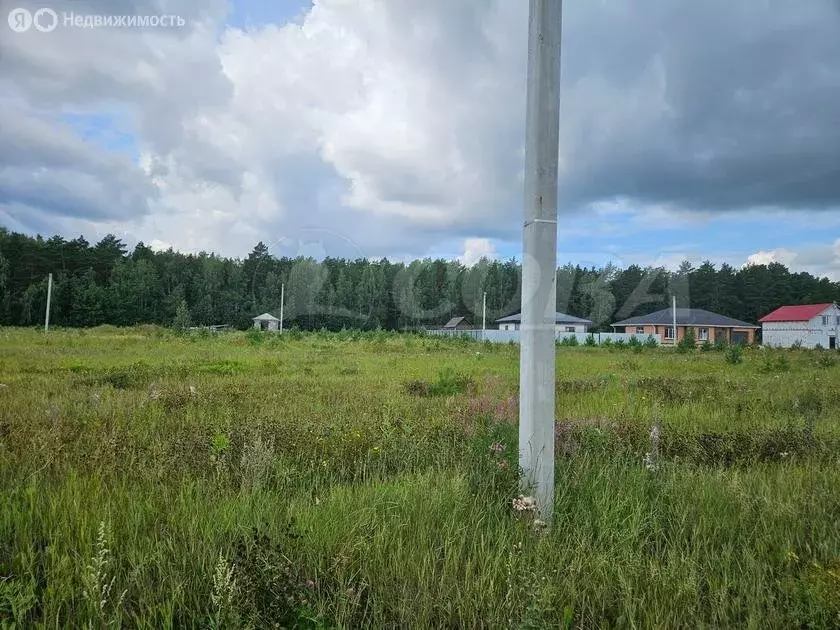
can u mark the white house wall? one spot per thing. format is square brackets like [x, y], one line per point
[512, 336]
[558, 328]
[578, 328]
[809, 334]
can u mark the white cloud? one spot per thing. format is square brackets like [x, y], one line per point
[381, 122]
[766, 257]
[475, 249]
[373, 127]
[822, 260]
[159, 245]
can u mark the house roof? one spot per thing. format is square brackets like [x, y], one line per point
[559, 318]
[685, 317]
[455, 321]
[266, 317]
[800, 313]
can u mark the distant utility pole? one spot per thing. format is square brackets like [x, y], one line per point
[539, 259]
[483, 314]
[674, 316]
[49, 296]
[282, 301]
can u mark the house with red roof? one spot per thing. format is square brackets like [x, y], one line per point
[808, 325]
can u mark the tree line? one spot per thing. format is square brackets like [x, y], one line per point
[104, 283]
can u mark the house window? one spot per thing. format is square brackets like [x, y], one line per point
[838, 320]
[570, 329]
[669, 332]
[825, 320]
[703, 334]
[640, 330]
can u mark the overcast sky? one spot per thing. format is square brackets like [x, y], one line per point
[395, 128]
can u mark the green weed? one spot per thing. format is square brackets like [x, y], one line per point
[365, 479]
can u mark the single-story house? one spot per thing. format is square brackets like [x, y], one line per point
[562, 323]
[707, 326]
[457, 323]
[266, 321]
[808, 325]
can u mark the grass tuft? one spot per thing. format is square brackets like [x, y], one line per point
[369, 479]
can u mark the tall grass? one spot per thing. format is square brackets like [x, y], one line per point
[154, 480]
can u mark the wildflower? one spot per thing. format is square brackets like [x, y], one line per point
[350, 591]
[540, 525]
[525, 504]
[506, 410]
[310, 584]
[502, 465]
[193, 391]
[655, 434]
[98, 588]
[651, 459]
[224, 584]
[497, 447]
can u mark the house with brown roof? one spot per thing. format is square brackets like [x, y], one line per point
[707, 326]
[805, 325]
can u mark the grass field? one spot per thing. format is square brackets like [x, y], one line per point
[365, 480]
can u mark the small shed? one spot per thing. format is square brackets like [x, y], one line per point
[266, 321]
[457, 323]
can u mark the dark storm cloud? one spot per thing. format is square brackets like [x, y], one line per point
[44, 165]
[714, 105]
[708, 106]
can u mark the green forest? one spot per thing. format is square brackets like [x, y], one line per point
[105, 283]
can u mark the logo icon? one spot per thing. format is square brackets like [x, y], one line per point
[20, 20]
[45, 20]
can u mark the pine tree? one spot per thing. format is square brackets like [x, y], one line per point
[100, 283]
[181, 322]
[688, 342]
[4, 271]
[89, 301]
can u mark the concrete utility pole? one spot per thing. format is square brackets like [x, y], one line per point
[539, 258]
[483, 314]
[282, 301]
[49, 296]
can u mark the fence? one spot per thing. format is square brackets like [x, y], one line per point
[512, 336]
